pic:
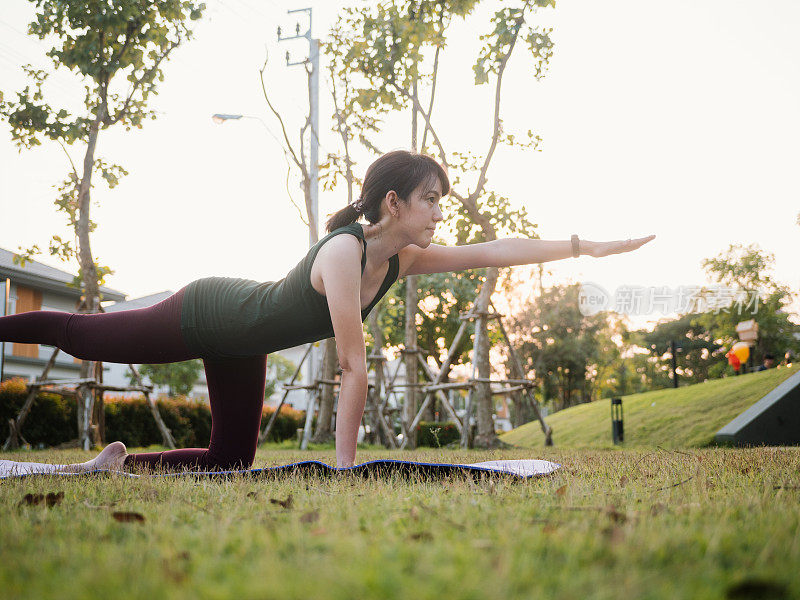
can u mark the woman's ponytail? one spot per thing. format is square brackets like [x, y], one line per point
[349, 214]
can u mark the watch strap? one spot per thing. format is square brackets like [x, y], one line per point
[576, 246]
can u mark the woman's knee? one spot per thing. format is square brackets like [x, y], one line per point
[72, 340]
[233, 461]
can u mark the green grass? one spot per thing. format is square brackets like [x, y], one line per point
[685, 417]
[622, 524]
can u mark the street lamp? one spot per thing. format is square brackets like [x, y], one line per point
[219, 118]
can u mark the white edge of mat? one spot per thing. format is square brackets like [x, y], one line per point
[523, 468]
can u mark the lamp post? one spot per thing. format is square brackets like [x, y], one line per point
[617, 431]
[674, 362]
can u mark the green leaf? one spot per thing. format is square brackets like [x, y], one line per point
[481, 76]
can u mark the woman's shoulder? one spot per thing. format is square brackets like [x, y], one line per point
[355, 228]
[335, 240]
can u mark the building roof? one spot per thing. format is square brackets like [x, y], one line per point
[42, 276]
[143, 302]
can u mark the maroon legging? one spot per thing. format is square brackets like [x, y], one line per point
[153, 335]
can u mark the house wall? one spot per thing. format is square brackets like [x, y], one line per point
[28, 360]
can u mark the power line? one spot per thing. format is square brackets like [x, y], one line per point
[14, 29]
[19, 57]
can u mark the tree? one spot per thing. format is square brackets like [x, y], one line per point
[447, 295]
[696, 355]
[117, 48]
[179, 377]
[279, 369]
[613, 372]
[386, 49]
[745, 272]
[560, 344]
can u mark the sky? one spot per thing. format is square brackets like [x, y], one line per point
[676, 119]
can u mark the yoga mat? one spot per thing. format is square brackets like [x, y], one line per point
[521, 469]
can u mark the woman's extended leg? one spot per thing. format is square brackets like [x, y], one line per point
[153, 335]
[142, 336]
[236, 393]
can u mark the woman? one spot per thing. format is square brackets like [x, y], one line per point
[232, 324]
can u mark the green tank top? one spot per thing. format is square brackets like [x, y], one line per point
[227, 317]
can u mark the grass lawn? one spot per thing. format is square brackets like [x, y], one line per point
[702, 523]
[672, 418]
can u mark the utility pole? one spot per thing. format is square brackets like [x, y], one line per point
[313, 58]
[313, 216]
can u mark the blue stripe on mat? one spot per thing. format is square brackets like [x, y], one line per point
[382, 467]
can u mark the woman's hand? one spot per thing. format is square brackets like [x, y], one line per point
[599, 249]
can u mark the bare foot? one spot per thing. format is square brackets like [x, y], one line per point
[112, 458]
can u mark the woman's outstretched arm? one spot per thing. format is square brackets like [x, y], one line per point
[519, 251]
[507, 253]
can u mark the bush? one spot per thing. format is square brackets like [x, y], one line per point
[428, 432]
[130, 421]
[52, 419]
[286, 425]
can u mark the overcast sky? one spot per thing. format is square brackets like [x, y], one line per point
[679, 119]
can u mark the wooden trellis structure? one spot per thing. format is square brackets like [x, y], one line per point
[76, 388]
[436, 387]
[375, 410]
[379, 412]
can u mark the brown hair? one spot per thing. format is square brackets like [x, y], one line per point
[399, 170]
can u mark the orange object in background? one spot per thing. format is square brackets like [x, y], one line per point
[733, 360]
[742, 351]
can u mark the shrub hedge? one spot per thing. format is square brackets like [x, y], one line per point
[52, 419]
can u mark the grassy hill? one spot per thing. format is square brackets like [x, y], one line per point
[673, 418]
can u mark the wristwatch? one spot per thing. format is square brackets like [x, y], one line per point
[576, 246]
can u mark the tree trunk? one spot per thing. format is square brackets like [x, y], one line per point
[485, 436]
[410, 397]
[429, 414]
[99, 415]
[410, 401]
[324, 432]
[520, 405]
[88, 275]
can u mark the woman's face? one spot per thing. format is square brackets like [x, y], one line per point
[422, 213]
